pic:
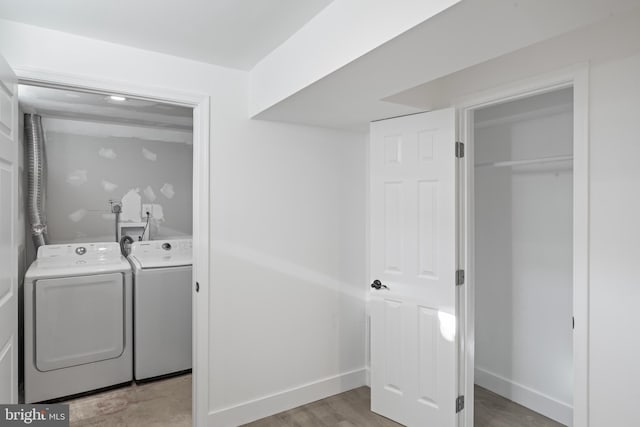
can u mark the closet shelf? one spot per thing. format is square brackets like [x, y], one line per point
[540, 161]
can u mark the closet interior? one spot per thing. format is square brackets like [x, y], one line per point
[523, 208]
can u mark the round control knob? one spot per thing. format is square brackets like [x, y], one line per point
[81, 250]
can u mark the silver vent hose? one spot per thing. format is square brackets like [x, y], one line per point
[34, 156]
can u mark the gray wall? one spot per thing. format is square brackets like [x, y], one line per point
[77, 202]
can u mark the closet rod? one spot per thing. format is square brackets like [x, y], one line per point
[525, 162]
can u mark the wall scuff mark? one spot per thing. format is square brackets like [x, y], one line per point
[149, 155]
[109, 187]
[167, 191]
[77, 177]
[78, 215]
[149, 194]
[107, 153]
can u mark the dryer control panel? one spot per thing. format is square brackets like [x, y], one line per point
[161, 253]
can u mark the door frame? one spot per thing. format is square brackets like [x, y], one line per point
[200, 102]
[577, 77]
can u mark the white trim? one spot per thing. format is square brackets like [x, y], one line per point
[581, 185]
[526, 162]
[287, 399]
[66, 125]
[525, 396]
[529, 115]
[201, 203]
[577, 77]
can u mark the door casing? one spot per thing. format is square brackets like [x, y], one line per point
[576, 77]
[202, 206]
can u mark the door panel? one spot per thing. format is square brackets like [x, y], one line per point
[393, 238]
[427, 356]
[413, 242]
[8, 230]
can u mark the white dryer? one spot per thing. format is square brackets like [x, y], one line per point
[162, 307]
[77, 320]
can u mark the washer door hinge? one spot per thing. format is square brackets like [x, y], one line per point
[459, 149]
[459, 404]
[459, 277]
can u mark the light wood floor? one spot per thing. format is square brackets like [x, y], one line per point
[492, 410]
[168, 403]
[351, 409]
[164, 402]
[348, 409]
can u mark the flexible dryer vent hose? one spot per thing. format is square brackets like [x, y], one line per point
[34, 156]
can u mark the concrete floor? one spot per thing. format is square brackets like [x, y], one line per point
[164, 402]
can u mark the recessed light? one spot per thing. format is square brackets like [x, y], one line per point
[117, 98]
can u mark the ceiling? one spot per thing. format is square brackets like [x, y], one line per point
[100, 108]
[231, 33]
[464, 50]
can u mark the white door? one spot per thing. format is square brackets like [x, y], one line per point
[413, 254]
[8, 230]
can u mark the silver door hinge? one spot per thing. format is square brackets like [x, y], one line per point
[459, 404]
[459, 277]
[459, 149]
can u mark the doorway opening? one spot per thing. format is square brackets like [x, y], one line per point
[140, 155]
[523, 276]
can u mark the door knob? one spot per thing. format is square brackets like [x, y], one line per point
[377, 284]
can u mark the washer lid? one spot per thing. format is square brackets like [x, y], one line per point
[162, 253]
[78, 259]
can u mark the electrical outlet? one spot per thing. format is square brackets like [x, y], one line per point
[116, 206]
[147, 207]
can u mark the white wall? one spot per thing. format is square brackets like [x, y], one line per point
[287, 297]
[523, 247]
[615, 208]
[294, 271]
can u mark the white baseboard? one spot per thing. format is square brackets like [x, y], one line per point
[287, 399]
[525, 396]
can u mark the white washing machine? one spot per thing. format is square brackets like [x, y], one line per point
[162, 307]
[77, 320]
